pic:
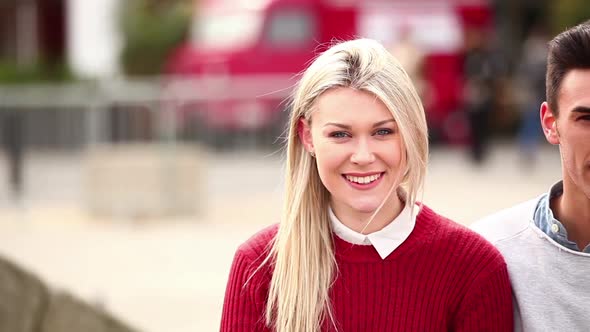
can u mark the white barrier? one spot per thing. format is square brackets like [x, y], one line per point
[145, 180]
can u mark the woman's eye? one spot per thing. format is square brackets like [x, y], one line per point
[383, 132]
[339, 134]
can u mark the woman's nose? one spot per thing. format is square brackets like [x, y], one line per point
[363, 153]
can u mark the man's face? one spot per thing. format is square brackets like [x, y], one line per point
[571, 129]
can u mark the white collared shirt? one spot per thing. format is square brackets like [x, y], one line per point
[385, 240]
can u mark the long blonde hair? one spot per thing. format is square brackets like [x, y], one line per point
[302, 253]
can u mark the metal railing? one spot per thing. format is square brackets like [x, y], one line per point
[242, 112]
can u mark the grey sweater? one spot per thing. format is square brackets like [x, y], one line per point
[549, 281]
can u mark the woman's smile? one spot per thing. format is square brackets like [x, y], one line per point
[363, 181]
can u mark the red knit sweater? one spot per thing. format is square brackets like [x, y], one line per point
[443, 277]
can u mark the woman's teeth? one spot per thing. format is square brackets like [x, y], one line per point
[362, 179]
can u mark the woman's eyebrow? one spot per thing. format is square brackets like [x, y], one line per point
[347, 127]
[343, 126]
[380, 123]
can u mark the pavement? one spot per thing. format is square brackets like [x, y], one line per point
[169, 274]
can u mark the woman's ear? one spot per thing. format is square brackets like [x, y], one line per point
[549, 124]
[304, 133]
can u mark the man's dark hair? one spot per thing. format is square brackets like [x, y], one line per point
[568, 50]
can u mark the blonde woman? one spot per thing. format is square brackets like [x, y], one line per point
[355, 251]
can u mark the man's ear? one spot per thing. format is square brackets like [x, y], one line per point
[304, 133]
[549, 124]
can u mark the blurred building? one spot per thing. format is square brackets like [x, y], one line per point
[93, 36]
[79, 34]
[32, 31]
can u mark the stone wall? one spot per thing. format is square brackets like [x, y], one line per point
[28, 305]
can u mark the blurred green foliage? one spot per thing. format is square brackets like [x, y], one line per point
[151, 30]
[568, 13]
[13, 73]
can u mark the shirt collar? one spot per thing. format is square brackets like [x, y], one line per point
[545, 220]
[386, 240]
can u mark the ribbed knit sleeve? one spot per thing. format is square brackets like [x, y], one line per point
[245, 297]
[487, 305]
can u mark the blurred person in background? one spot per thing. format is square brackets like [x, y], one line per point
[12, 139]
[531, 83]
[545, 241]
[355, 251]
[478, 70]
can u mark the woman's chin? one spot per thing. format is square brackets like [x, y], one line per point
[365, 208]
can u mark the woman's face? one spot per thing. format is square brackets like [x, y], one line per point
[358, 150]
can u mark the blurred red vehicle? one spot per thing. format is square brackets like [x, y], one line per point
[246, 53]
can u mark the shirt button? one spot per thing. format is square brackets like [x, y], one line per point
[554, 228]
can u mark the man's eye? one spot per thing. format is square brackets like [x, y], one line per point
[339, 134]
[584, 117]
